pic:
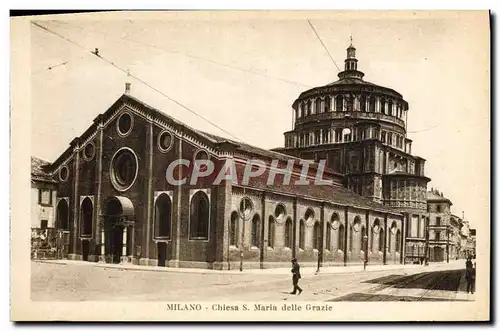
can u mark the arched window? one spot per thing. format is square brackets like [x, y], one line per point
[391, 233]
[271, 231]
[87, 211]
[381, 240]
[350, 238]
[398, 241]
[347, 133]
[62, 222]
[361, 239]
[317, 106]
[340, 239]
[329, 236]
[199, 216]
[422, 227]
[328, 101]
[382, 106]
[309, 215]
[389, 243]
[335, 226]
[390, 110]
[362, 103]
[255, 230]
[163, 216]
[288, 233]
[302, 234]
[308, 107]
[339, 103]
[350, 102]
[316, 235]
[338, 135]
[233, 229]
[375, 230]
[371, 106]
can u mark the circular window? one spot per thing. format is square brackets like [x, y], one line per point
[124, 124]
[309, 215]
[165, 141]
[280, 211]
[394, 228]
[124, 169]
[246, 207]
[335, 225]
[200, 155]
[63, 173]
[89, 151]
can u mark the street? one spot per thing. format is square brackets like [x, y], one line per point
[91, 282]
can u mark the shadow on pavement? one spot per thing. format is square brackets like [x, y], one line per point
[437, 280]
[385, 297]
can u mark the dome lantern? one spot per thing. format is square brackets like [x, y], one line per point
[351, 65]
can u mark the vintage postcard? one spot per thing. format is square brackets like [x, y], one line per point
[251, 166]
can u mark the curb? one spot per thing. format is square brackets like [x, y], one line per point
[283, 272]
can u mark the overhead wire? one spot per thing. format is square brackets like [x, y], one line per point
[323, 44]
[49, 68]
[195, 57]
[426, 129]
[138, 79]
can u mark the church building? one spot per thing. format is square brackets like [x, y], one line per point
[114, 198]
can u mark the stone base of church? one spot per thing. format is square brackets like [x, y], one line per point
[226, 265]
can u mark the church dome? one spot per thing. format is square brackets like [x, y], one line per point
[351, 95]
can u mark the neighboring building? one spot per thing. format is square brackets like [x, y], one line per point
[46, 241]
[444, 228]
[471, 243]
[439, 208]
[454, 241]
[464, 236]
[43, 196]
[359, 128]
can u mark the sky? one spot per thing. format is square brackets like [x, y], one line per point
[244, 74]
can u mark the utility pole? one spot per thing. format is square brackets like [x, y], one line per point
[448, 244]
[244, 215]
[426, 241]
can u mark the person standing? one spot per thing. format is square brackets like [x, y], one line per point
[470, 275]
[295, 276]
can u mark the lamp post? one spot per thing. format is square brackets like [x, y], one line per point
[426, 252]
[447, 244]
[365, 245]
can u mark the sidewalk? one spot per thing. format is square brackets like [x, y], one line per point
[274, 271]
[462, 291]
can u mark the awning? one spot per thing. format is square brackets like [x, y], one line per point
[119, 206]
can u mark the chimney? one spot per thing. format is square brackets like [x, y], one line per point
[127, 88]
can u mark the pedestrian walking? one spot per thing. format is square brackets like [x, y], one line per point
[470, 275]
[295, 277]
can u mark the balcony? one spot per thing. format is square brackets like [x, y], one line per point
[350, 115]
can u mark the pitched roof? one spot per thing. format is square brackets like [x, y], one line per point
[335, 194]
[37, 171]
[433, 196]
[249, 148]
